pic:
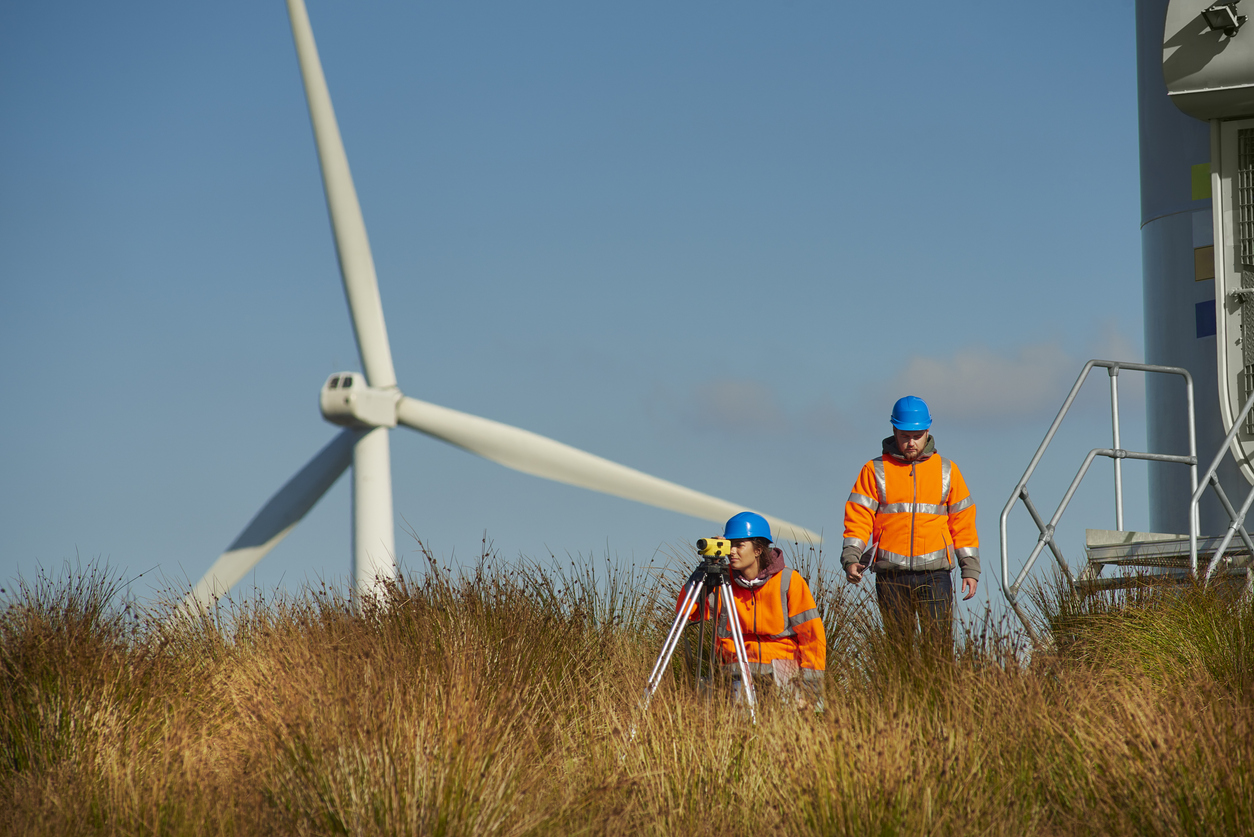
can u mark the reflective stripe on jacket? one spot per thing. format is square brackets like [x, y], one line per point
[779, 620]
[918, 515]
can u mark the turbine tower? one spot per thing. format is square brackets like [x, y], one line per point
[369, 404]
[1195, 90]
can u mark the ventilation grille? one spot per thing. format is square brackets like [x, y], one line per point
[1245, 197]
[1247, 388]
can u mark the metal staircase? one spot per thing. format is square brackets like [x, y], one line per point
[1143, 557]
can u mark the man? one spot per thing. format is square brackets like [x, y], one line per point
[912, 507]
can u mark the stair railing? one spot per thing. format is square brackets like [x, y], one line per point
[1116, 453]
[1236, 518]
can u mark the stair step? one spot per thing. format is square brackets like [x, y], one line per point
[1156, 550]
[1128, 582]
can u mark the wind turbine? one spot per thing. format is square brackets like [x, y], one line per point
[369, 405]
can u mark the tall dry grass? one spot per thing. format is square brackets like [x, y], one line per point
[502, 701]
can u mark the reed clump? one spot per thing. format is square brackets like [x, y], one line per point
[505, 700]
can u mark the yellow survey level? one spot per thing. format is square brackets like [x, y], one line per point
[714, 547]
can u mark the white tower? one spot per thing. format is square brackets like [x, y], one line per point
[1177, 246]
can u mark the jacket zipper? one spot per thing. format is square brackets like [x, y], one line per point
[755, 623]
[914, 501]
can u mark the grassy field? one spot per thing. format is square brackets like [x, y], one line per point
[501, 701]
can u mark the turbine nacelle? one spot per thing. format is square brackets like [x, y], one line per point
[346, 400]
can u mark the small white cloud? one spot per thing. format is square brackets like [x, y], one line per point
[822, 418]
[977, 383]
[1112, 344]
[736, 405]
[743, 406]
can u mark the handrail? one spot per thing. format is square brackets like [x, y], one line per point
[1116, 453]
[1237, 518]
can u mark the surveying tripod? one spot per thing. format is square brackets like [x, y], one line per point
[711, 576]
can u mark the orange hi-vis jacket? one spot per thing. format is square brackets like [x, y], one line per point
[779, 620]
[918, 516]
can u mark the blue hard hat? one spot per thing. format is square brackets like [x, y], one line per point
[910, 413]
[747, 525]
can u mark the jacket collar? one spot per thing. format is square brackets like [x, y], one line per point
[891, 449]
[774, 564]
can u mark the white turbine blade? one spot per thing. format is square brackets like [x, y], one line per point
[278, 517]
[534, 454]
[356, 263]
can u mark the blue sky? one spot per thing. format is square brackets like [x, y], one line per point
[712, 241]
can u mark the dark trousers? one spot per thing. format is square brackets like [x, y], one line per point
[922, 601]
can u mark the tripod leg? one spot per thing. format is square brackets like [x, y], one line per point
[692, 595]
[696, 683]
[714, 655]
[742, 656]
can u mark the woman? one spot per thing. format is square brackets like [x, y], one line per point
[784, 639]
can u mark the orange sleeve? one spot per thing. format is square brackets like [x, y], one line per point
[804, 619]
[962, 525]
[860, 509]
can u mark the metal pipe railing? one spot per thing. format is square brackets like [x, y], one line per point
[1237, 518]
[1114, 421]
[1116, 453]
[1048, 529]
[1237, 525]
